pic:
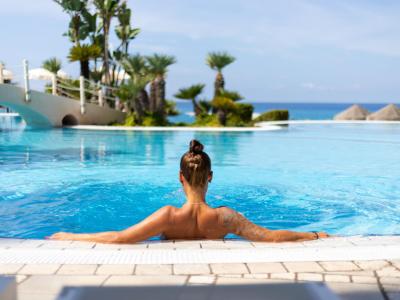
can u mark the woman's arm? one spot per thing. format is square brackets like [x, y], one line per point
[153, 225]
[236, 223]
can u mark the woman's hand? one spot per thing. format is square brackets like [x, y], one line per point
[323, 235]
[62, 236]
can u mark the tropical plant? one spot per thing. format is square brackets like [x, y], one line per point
[218, 61]
[84, 53]
[106, 10]
[224, 106]
[191, 93]
[158, 66]
[52, 65]
[78, 30]
[234, 96]
[128, 92]
[136, 67]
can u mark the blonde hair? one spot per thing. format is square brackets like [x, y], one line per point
[196, 165]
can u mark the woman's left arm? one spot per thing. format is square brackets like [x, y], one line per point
[153, 225]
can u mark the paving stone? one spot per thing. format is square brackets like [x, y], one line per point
[266, 268]
[41, 296]
[81, 245]
[286, 276]
[145, 280]
[231, 244]
[231, 275]
[229, 268]
[20, 278]
[161, 245]
[77, 269]
[256, 276]
[52, 284]
[364, 279]
[8, 269]
[353, 291]
[153, 269]
[29, 244]
[308, 266]
[396, 263]
[339, 266]
[187, 245]
[39, 269]
[191, 269]
[56, 244]
[309, 277]
[337, 278]
[6, 243]
[389, 272]
[210, 244]
[371, 264]
[201, 279]
[356, 273]
[232, 280]
[115, 270]
[390, 280]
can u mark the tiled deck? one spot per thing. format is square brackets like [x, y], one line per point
[370, 265]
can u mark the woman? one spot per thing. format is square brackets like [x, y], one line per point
[195, 219]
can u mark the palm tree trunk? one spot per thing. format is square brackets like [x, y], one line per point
[137, 107]
[106, 63]
[221, 117]
[85, 71]
[219, 83]
[143, 98]
[196, 108]
[160, 99]
[153, 96]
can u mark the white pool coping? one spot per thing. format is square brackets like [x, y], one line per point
[15, 251]
[175, 128]
[261, 126]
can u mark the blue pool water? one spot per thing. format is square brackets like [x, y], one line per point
[343, 179]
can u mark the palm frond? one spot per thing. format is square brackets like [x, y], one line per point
[52, 64]
[219, 60]
[84, 52]
[191, 92]
[159, 63]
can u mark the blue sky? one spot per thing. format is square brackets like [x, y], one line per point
[287, 50]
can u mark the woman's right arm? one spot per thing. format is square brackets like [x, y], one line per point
[237, 224]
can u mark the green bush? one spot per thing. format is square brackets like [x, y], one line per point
[130, 120]
[273, 115]
[244, 112]
[206, 120]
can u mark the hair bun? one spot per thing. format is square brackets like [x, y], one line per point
[195, 146]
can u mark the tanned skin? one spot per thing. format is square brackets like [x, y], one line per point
[194, 220]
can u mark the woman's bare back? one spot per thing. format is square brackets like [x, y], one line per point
[195, 221]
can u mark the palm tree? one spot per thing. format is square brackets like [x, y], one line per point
[191, 93]
[128, 92]
[158, 65]
[84, 53]
[136, 67]
[217, 61]
[52, 64]
[224, 106]
[106, 9]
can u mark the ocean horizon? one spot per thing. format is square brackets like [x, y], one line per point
[297, 110]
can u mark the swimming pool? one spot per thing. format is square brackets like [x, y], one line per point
[343, 179]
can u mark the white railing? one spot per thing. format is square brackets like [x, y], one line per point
[84, 90]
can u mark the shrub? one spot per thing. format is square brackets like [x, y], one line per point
[244, 112]
[206, 120]
[273, 115]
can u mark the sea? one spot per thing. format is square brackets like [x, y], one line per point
[297, 111]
